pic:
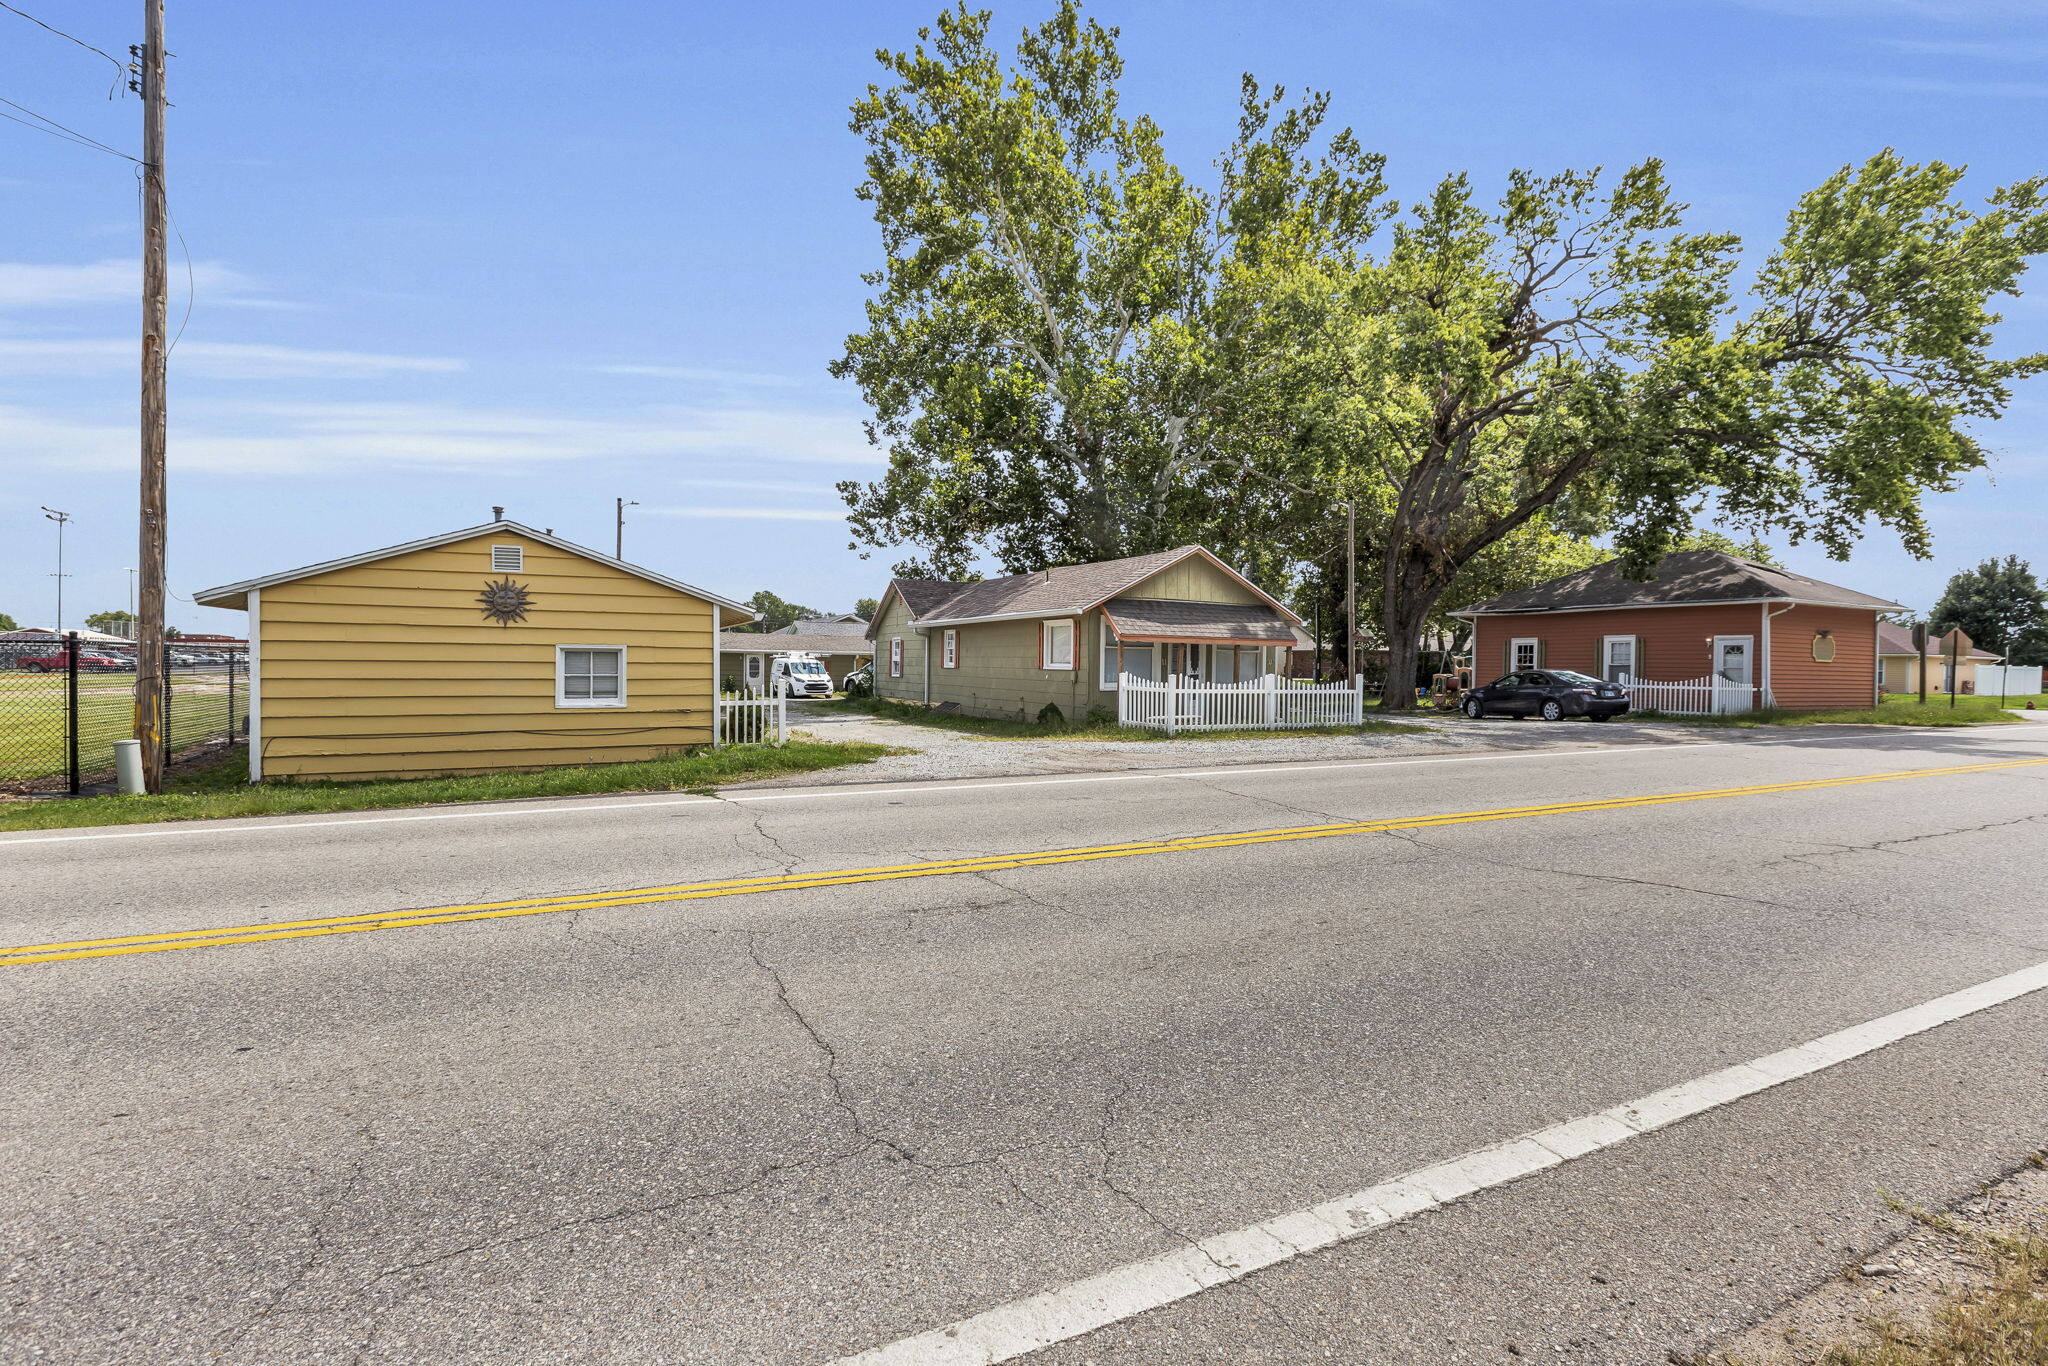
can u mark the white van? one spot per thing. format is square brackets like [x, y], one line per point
[799, 675]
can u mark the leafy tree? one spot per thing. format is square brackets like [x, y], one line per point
[109, 621]
[1755, 549]
[7, 623]
[772, 613]
[1997, 604]
[865, 608]
[1574, 351]
[1072, 347]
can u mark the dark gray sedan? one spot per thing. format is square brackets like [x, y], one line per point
[1552, 694]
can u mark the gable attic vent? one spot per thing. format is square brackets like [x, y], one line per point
[508, 559]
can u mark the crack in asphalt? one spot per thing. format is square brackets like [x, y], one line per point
[1840, 913]
[351, 1177]
[1837, 849]
[759, 814]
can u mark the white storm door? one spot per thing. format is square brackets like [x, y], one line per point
[1734, 665]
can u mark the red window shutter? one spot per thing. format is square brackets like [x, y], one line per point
[1642, 657]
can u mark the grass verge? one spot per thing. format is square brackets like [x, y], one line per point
[1892, 711]
[990, 728]
[222, 790]
[2002, 1324]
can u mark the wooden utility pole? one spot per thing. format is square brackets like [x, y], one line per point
[149, 632]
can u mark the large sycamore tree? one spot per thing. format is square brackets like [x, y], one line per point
[1073, 351]
[1573, 351]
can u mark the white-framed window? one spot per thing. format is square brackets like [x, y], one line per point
[1617, 658]
[949, 653]
[590, 675]
[895, 656]
[508, 559]
[1056, 644]
[1138, 658]
[1525, 653]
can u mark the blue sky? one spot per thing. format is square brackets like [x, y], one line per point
[452, 255]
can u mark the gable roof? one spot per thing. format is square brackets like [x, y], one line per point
[237, 594]
[775, 643]
[1893, 639]
[824, 626]
[1063, 590]
[1684, 578]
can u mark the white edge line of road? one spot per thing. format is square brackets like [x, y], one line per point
[1074, 1310]
[598, 805]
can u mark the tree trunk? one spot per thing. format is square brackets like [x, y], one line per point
[1412, 592]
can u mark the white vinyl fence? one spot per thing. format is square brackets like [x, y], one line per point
[1175, 704]
[750, 719]
[1694, 697]
[2008, 680]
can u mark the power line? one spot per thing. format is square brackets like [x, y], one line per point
[119, 66]
[59, 131]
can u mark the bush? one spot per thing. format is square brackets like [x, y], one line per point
[1052, 717]
[860, 685]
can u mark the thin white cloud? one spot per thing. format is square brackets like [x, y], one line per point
[1985, 51]
[212, 360]
[25, 285]
[697, 374]
[2012, 90]
[284, 439]
[763, 514]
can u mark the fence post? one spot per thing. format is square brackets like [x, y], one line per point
[1358, 699]
[231, 696]
[717, 719]
[165, 705]
[71, 710]
[1172, 702]
[1272, 684]
[781, 712]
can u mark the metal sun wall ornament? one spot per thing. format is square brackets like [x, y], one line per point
[505, 601]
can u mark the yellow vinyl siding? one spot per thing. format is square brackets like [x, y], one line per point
[391, 669]
[1193, 579]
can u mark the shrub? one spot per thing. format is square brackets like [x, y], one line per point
[1052, 717]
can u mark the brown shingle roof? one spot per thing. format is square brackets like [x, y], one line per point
[1043, 592]
[1893, 639]
[1685, 577]
[1159, 618]
[747, 642]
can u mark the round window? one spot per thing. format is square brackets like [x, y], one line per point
[1824, 648]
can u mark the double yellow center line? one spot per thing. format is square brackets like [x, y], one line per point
[167, 940]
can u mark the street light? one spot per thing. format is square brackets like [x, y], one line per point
[619, 547]
[60, 518]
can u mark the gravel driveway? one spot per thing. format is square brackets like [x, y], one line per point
[955, 754]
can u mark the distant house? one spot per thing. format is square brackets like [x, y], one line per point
[839, 642]
[1760, 635]
[492, 647]
[1899, 663]
[1008, 647]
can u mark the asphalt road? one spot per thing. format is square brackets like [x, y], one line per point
[780, 1124]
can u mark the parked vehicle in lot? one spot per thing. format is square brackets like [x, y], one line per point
[859, 681]
[89, 661]
[799, 675]
[1552, 694]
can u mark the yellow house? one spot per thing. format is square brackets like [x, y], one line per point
[492, 647]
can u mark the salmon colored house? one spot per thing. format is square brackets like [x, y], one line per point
[1733, 633]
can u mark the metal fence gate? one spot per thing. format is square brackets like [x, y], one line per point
[64, 703]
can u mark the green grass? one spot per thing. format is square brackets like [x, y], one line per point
[1892, 711]
[990, 728]
[221, 790]
[32, 718]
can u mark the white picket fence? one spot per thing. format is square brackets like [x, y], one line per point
[1175, 704]
[746, 718]
[1693, 697]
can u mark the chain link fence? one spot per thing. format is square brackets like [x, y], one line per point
[64, 703]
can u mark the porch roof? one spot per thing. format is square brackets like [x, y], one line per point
[1210, 623]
